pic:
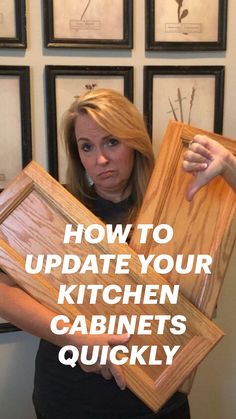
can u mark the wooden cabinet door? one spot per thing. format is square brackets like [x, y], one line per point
[207, 225]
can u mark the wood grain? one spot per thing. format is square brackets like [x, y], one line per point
[34, 211]
[207, 225]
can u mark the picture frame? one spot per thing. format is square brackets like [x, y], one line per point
[15, 121]
[13, 24]
[15, 87]
[191, 94]
[63, 83]
[88, 24]
[183, 25]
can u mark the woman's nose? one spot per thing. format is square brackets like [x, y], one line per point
[102, 158]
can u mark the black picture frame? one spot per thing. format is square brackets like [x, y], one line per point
[52, 73]
[51, 41]
[23, 74]
[20, 39]
[216, 73]
[153, 44]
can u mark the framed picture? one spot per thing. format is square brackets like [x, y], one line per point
[174, 25]
[15, 131]
[88, 23]
[12, 24]
[190, 94]
[15, 121]
[63, 84]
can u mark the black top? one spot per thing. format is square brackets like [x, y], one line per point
[62, 392]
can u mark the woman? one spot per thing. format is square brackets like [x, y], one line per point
[110, 160]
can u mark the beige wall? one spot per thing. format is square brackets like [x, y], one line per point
[213, 393]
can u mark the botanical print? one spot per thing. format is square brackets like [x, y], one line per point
[179, 100]
[85, 9]
[190, 99]
[186, 20]
[91, 86]
[181, 13]
[67, 88]
[7, 19]
[10, 129]
[88, 19]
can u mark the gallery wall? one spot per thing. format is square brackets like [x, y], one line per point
[213, 393]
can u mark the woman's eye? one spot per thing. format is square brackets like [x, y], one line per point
[86, 147]
[112, 142]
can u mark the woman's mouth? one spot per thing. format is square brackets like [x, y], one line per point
[106, 173]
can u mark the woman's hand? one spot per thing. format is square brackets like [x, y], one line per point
[206, 159]
[109, 370]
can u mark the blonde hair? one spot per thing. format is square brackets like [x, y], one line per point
[118, 116]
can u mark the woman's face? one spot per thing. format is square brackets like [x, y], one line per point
[107, 161]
